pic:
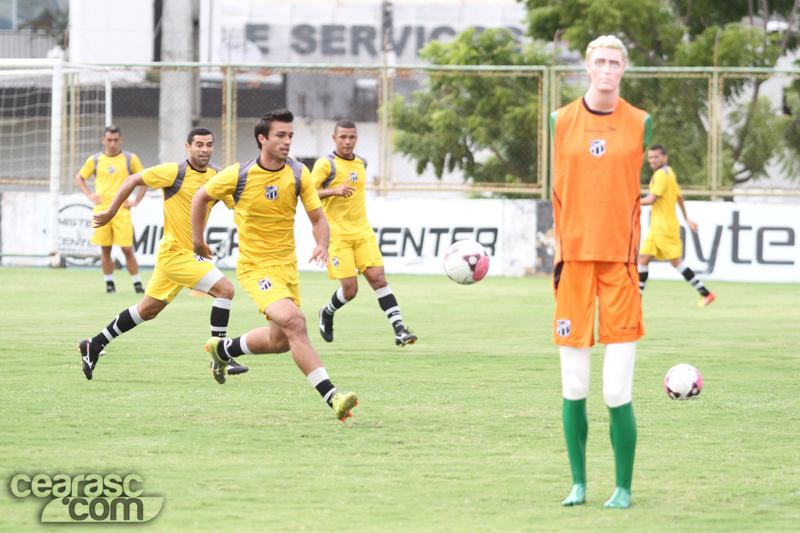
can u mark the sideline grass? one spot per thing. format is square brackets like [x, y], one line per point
[460, 432]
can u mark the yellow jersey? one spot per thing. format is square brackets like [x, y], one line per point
[664, 184]
[347, 217]
[109, 174]
[265, 203]
[179, 182]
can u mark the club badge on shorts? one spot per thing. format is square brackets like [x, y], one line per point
[563, 327]
[264, 284]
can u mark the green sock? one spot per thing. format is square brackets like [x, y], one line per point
[576, 430]
[623, 440]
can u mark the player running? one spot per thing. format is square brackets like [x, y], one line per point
[340, 178]
[266, 192]
[176, 265]
[663, 240]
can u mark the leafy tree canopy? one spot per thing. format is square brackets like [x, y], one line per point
[487, 126]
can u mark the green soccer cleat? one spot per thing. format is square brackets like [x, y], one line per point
[342, 404]
[577, 496]
[621, 499]
[219, 366]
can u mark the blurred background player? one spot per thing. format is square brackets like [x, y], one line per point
[111, 167]
[266, 191]
[176, 265]
[599, 143]
[340, 178]
[663, 239]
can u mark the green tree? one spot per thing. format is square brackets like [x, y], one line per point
[685, 33]
[485, 124]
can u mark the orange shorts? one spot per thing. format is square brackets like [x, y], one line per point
[614, 287]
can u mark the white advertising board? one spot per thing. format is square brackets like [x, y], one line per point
[413, 234]
[737, 242]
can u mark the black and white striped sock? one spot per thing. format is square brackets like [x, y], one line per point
[644, 270]
[125, 321]
[320, 380]
[692, 278]
[336, 302]
[220, 313]
[388, 303]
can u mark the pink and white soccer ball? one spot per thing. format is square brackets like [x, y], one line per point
[683, 382]
[466, 262]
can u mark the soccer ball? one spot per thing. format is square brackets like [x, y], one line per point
[683, 382]
[466, 262]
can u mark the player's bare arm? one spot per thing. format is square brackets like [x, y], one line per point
[139, 196]
[199, 207]
[131, 182]
[690, 223]
[650, 199]
[344, 190]
[322, 234]
[94, 198]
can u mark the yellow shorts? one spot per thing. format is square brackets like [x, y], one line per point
[580, 287]
[661, 246]
[178, 268]
[350, 257]
[119, 231]
[268, 284]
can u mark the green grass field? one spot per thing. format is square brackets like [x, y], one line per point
[460, 432]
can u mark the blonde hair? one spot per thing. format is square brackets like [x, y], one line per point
[607, 41]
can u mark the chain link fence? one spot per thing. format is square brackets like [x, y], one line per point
[470, 130]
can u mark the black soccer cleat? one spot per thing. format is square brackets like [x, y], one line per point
[110, 289]
[88, 357]
[235, 368]
[326, 325]
[138, 287]
[403, 337]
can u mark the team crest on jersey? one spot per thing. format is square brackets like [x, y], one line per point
[335, 261]
[353, 176]
[110, 170]
[597, 147]
[264, 284]
[563, 327]
[271, 192]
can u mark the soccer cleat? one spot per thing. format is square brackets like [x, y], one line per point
[110, 289]
[342, 404]
[138, 288]
[88, 357]
[403, 337]
[326, 325]
[621, 499]
[705, 300]
[219, 366]
[235, 368]
[577, 496]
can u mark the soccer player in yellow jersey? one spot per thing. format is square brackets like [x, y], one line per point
[340, 178]
[663, 240]
[111, 167]
[266, 192]
[599, 143]
[176, 265]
